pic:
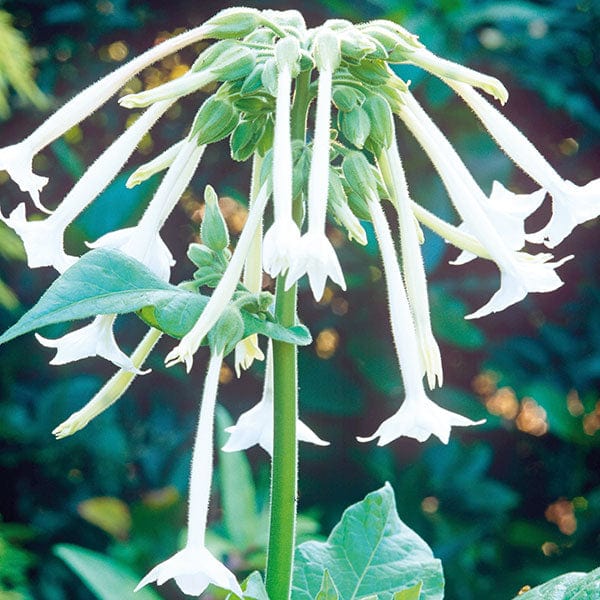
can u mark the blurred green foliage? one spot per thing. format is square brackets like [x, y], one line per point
[514, 502]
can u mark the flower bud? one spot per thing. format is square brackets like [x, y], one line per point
[266, 141]
[382, 123]
[355, 46]
[338, 206]
[359, 176]
[215, 120]
[371, 72]
[245, 138]
[234, 22]
[347, 98]
[355, 126]
[253, 81]
[201, 255]
[227, 331]
[382, 36]
[291, 21]
[213, 229]
[269, 76]
[255, 303]
[327, 50]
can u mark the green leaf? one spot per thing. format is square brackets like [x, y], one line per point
[107, 579]
[570, 586]
[371, 552]
[328, 590]
[253, 588]
[238, 494]
[412, 593]
[106, 281]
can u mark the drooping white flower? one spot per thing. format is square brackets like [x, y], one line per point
[315, 254]
[255, 426]
[44, 240]
[111, 391]
[194, 567]
[571, 204]
[248, 350]
[412, 264]
[95, 339]
[17, 159]
[223, 293]
[281, 239]
[418, 417]
[516, 275]
[507, 211]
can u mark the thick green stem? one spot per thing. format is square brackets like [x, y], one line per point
[284, 473]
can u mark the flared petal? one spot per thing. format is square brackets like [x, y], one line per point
[246, 352]
[280, 246]
[419, 418]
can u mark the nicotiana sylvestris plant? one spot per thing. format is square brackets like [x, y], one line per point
[338, 160]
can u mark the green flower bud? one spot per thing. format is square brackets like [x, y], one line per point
[355, 126]
[405, 40]
[337, 203]
[227, 331]
[359, 175]
[201, 255]
[255, 303]
[253, 81]
[213, 229]
[266, 141]
[215, 120]
[358, 205]
[207, 276]
[347, 98]
[269, 77]
[306, 61]
[291, 21]
[245, 138]
[371, 72]
[382, 123]
[381, 35]
[235, 22]
[254, 105]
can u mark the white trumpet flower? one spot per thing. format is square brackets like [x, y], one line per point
[255, 426]
[194, 567]
[571, 204]
[17, 159]
[95, 339]
[412, 263]
[281, 239]
[190, 342]
[44, 240]
[315, 254]
[418, 417]
[111, 391]
[517, 277]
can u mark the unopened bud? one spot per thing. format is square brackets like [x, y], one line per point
[347, 98]
[213, 229]
[156, 165]
[234, 23]
[359, 175]
[245, 138]
[355, 46]
[327, 50]
[382, 123]
[227, 331]
[215, 120]
[287, 53]
[371, 72]
[201, 255]
[355, 126]
[338, 206]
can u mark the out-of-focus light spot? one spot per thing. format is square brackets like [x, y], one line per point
[375, 273]
[580, 503]
[568, 146]
[75, 475]
[118, 51]
[326, 343]
[491, 38]
[550, 549]
[339, 306]
[74, 135]
[562, 514]
[162, 498]
[591, 421]
[63, 54]
[525, 588]
[336, 237]
[3, 177]
[152, 78]
[178, 71]
[146, 144]
[174, 112]
[486, 383]
[574, 404]
[225, 374]
[503, 403]
[133, 86]
[327, 296]
[430, 505]
[104, 7]
[532, 418]
[537, 29]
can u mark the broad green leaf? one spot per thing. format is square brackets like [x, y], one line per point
[253, 588]
[570, 586]
[107, 579]
[328, 590]
[371, 552]
[106, 281]
[412, 593]
[238, 494]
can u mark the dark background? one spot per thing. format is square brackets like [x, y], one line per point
[510, 503]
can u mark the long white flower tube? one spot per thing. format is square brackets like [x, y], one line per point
[412, 263]
[17, 159]
[255, 426]
[190, 342]
[44, 240]
[194, 567]
[518, 276]
[418, 417]
[281, 239]
[111, 391]
[315, 255]
[571, 204]
[248, 350]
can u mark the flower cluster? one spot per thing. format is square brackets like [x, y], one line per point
[269, 68]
